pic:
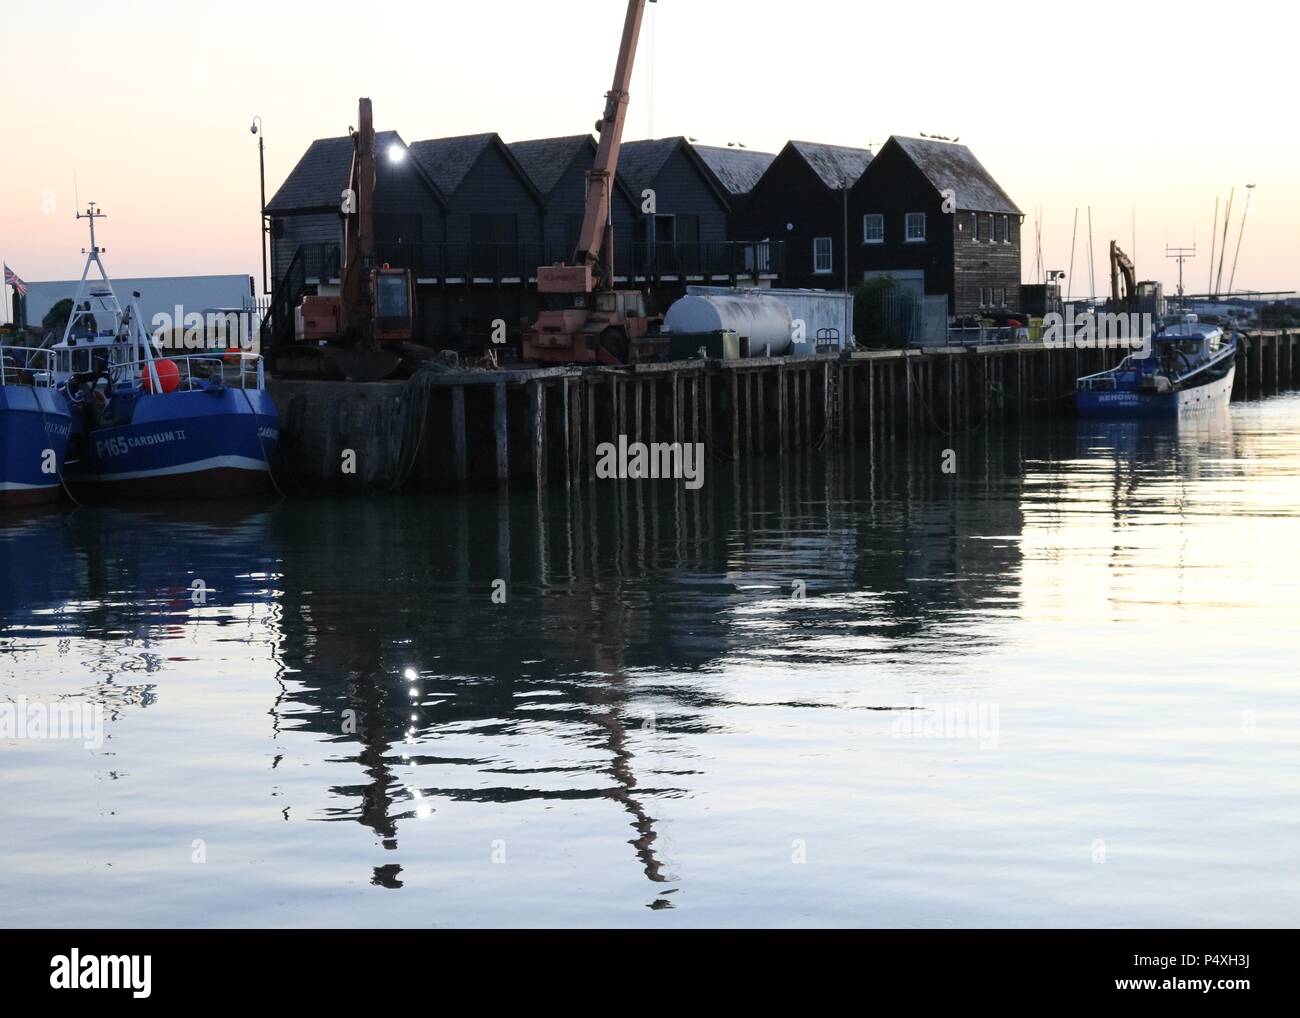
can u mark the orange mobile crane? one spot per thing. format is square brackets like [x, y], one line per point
[590, 321]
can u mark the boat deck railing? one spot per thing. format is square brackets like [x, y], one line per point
[1103, 381]
[26, 365]
[235, 368]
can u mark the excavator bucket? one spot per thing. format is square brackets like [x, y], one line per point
[360, 365]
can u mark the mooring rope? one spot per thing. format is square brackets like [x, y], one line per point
[270, 470]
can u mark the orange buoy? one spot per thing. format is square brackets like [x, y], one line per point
[169, 376]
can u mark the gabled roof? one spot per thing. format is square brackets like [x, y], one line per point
[546, 159]
[322, 174]
[837, 165]
[639, 163]
[949, 166]
[449, 160]
[737, 169]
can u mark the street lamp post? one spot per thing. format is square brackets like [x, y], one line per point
[256, 129]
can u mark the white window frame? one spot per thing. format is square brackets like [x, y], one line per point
[874, 217]
[907, 228]
[830, 256]
[1006, 229]
[975, 233]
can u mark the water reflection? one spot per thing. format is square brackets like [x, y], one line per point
[642, 624]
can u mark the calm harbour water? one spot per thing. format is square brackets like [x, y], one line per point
[1058, 687]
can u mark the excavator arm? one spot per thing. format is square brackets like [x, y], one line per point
[1121, 266]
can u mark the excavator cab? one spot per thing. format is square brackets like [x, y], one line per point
[394, 306]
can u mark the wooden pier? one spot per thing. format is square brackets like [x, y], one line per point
[537, 427]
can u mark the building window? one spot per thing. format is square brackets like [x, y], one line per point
[822, 260]
[1000, 297]
[975, 233]
[915, 227]
[873, 229]
[984, 296]
[1006, 229]
[999, 228]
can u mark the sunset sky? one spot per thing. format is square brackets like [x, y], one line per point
[147, 106]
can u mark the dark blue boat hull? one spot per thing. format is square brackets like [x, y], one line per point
[210, 443]
[34, 428]
[1207, 398]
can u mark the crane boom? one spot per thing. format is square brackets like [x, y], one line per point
[595, 243]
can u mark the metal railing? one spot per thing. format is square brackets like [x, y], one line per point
[26, 365]
[732, 259]
[234, 368]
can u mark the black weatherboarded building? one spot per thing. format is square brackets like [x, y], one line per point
[800, 199]
[473, 218]
[558, 169]
[930, 215]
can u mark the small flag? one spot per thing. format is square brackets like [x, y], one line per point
[12, 279]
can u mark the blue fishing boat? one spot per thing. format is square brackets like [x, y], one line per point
[150, 423]
[1189, 370]
[35, 423]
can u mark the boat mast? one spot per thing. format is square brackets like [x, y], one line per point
[92, 258]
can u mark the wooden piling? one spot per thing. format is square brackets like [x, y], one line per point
[537, 430]
[502, 433]
[460, 454]
[733, 380]
[781, 416]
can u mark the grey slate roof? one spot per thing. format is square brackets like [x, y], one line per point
[835, 164]
[947, 165]
[639, 162]
[737, 169]
[448, 160]
[546, 159]
[318, 181]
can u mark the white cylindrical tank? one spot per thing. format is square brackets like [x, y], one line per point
[765, 321]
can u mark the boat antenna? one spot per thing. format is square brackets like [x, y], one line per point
[1214, 236]
[1073, 233]
[92, 214]
[1182, 254]
[1223, 250]
[1250, 193]
[1092, 283]
[1038, 243]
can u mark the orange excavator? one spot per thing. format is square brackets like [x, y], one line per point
[588, 320]
[363, 332]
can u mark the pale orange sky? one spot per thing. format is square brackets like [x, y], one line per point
[1109, 104]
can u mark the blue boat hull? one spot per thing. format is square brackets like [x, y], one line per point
[34, 428]
[207, 443]
[1201, 399]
